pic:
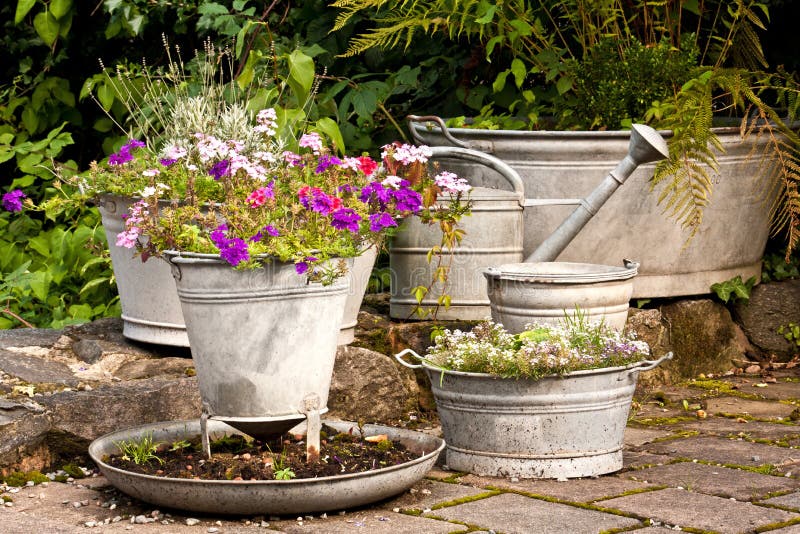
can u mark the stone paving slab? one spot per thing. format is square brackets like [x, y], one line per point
[637, 459]
[726, 426]
[779, 390]
[683, 508]
[581, 490]
[517, 514]
[716, 480]
[428, 493]
[726, 451]
[754, 408]
[636, 437]
[790, 500]
[368, 522]
[794, 529]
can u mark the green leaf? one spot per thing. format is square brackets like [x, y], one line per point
[419, 293]
[500, 82]
[59, 8]
[40, 284]
[564, 84]
[91, 263]
[519, 71]
[212, 8]
[238, 5]
[329, 127]
[30, 120]
[488, 15]
[301, 75]
[46, 27]
[91, 284]
[248, 72]
[80, 311]
[23, 7]
[106, 95]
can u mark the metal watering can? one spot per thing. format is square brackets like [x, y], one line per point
[540, 289]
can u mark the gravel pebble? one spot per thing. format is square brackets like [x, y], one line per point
[191, 521]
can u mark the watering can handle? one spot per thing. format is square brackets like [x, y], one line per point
[399, 358]
[438, 120]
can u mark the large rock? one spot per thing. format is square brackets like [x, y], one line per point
[60, 389]
[771, 306]
[90, 414]
[23, 427]
[368, 386]
[700, 333]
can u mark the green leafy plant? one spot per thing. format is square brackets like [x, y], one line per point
[791, 332]
[776, 267]
[281, 471]
[140, 450]
[180, 445]
[734, 289]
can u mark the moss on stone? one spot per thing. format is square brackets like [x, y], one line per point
[19, 478]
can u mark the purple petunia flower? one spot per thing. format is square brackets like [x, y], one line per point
[132, 143]
[302, 266]
[269, 229]
[326, 161]
[120, 158]
[166, 162]
[321, 202]
[12, 201]
[407, 200]
[220, 169]
[232, 250]
[381, 220]
[376, 191]
[345, 218]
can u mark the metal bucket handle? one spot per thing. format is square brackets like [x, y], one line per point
[399, 358]
[646, 365]
[438, 120]
[462, 151]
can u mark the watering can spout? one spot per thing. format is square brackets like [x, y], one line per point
[646, 146]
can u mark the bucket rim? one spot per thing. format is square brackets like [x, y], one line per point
[582, 372]
[571, 272]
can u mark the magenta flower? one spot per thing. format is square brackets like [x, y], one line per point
[326, 161]
[345, 218]
[124, 155]
[377, 192]
[166, 162]
[302, 266]
[379, 221]
[220, 169]
[269, 229]
[407, 200]
[12, 201]
[260, 196]
[232, 250]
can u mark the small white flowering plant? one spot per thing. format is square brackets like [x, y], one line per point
[542, 349]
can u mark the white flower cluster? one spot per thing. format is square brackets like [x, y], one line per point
[408, 154]
[539, 350]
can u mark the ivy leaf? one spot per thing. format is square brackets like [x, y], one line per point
[23, 7]
[46, 26]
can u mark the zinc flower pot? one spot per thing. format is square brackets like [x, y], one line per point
[358, 277]
[552, 427]
[263, 340]
[557, 166]
[151, 311]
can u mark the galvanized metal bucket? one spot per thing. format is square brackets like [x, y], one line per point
[358, 276]
[543, 292]
[263, 340]
[151, 311]
[554, 427]
[493, 236]
[255, 497]
[558, 167]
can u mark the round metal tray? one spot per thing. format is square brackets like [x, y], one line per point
[242, 497]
